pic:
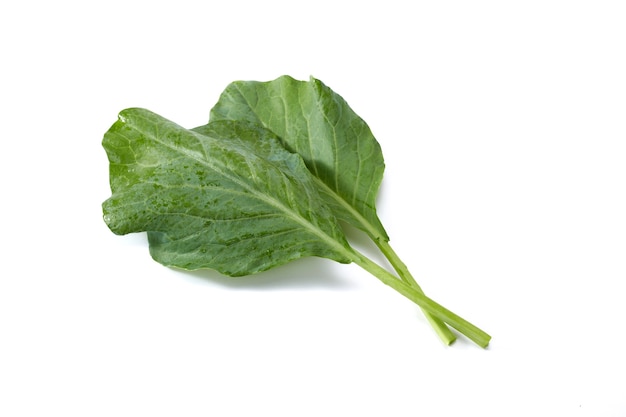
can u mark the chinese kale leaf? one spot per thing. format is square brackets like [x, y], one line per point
[210, 203]
[265, 182]
[337, 145]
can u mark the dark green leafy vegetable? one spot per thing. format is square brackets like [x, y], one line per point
[211, 203]
[231, 196]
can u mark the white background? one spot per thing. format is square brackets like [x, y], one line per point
[503, 126]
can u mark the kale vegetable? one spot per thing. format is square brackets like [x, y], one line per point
[266, 181]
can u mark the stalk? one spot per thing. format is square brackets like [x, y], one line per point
[444, 333]
[439, 325]
[472, 332]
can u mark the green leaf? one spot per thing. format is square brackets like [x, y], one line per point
[229, 196]
[210, 203]
[337, 146]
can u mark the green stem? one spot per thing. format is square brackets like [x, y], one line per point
[406, 279]
[475, 334]
[444, 333]
[373, 232]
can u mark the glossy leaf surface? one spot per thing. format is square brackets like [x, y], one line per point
[212, 203]
[337, 145]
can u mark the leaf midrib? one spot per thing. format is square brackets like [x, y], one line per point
[369, 228]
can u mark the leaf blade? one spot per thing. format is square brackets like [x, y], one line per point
[208, 203]
[337, 146]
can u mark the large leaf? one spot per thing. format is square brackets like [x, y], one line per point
[211, 203]
[336, 144]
